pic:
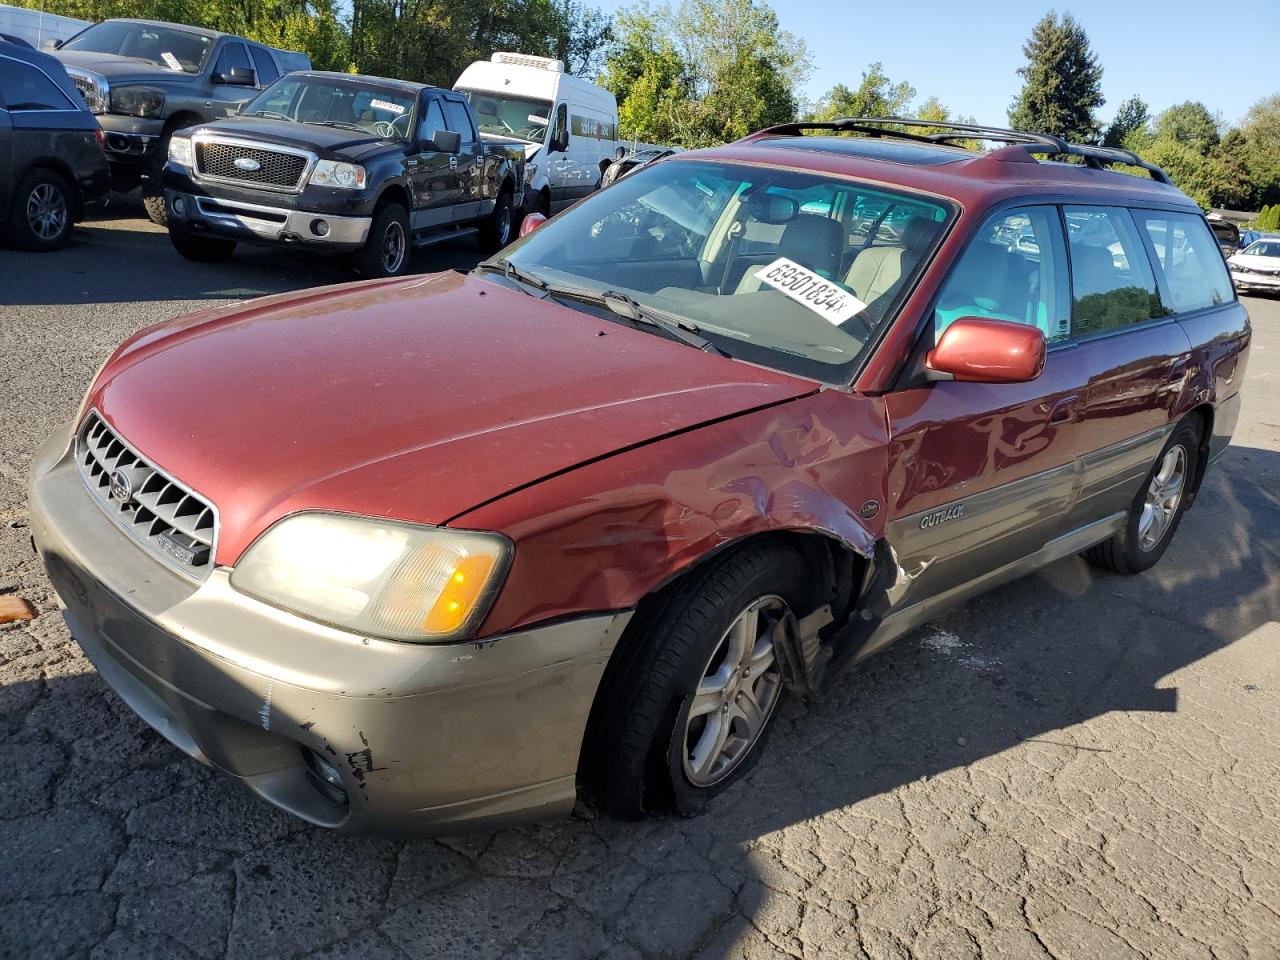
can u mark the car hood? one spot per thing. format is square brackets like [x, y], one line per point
[121, 70]
[327, 141]
[1254, 262]
[416, 399]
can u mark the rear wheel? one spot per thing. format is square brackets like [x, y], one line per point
[495, 231]
[43, 211]
[1156, 511]
[201, 249]
[386, 251]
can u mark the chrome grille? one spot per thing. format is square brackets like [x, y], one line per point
[174, 523]
[214, 159]
[93, 90]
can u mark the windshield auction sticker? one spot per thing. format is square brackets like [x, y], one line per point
[386, 105]
[824, 297]
[170, 60]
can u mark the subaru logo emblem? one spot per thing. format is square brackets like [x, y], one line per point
[121, 486]
[247, 164]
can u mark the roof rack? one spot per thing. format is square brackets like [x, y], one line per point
[1037, 144]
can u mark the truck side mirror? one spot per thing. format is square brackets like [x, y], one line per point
[235, 77]
[445, 141]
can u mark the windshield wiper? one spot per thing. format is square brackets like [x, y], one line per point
[341, 124]
[271, 115]
[629, 308]
[512, 272]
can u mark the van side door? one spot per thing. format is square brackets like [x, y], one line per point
[981, 474]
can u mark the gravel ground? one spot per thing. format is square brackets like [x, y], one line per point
[1077, 765]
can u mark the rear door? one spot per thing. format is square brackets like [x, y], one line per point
[981, 475]
[467, 164]
[432, 174]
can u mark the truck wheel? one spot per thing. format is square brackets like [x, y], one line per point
[43, 210]
[495, 232]
[386, 252]
[201, 249]
[1156, 510]
[685, 704]
[152, 186]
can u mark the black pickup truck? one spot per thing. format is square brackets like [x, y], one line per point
[341, 162]
[145, 79]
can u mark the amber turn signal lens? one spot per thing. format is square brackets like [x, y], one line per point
[460, 594]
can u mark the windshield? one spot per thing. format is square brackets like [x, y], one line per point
[797, 271]
[181, 50]
[508, 116]
[385, 112]
[1263, 248]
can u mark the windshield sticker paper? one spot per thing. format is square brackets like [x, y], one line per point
[824, 297]
[386, 105]
[170, 61]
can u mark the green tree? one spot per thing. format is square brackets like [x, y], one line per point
[1190, 124]
[1132, 116]
[1238, 189]
[876, 96]
[1261, 130]
[1062, 82]
[650, 79]
[1202, 178]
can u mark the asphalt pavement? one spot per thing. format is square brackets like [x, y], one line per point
[1077, 766]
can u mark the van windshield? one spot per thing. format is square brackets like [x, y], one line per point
[176, 49]
[520, 117]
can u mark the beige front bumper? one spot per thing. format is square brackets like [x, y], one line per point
[428, 738]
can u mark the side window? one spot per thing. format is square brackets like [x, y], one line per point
[232, 56]
[1188, 257]
[266, 68]
[279, 99]
[23, 87]
[432, 121]
[1111, 281]
[1015, 268]
[459, 121]
[561, 133]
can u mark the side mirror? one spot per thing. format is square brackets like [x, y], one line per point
[235, 77]
[531, 223]
[981, 350]
[445, 141]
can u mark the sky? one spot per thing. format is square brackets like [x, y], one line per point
[1225, 53]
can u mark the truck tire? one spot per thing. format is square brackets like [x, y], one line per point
[386, 251]
[43, 211]
[152, 185]
[201, 249]
[495, 231]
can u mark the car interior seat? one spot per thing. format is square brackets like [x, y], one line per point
[880, 271]
[810, 240]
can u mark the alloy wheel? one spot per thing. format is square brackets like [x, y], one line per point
[47, 211]
[393, 247]
[1164, 494]
[735, 698]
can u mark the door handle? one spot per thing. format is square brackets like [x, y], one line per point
[1065, 410]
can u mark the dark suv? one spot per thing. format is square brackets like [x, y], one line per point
[52, 167]
[145, 79]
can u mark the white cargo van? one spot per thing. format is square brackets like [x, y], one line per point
[37, 27]
[569, 127]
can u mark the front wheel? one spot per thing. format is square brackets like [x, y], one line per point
[152, 185]
[1156, 511]
[386, 251]
[687, 702]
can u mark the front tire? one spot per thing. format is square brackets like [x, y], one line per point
[386, 251]
[201, 249]
[43, 212]
[152, 185]
[1156, 511]
[685, 705]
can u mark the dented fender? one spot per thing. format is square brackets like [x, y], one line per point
[605, 535]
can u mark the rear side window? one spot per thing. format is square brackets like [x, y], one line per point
[455, 114]
[1112, 285]
[23, 87]
[267, 72]
[1187, 254]
[1014, 269]
[232, 57]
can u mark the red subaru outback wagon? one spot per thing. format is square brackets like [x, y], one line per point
[447, 550]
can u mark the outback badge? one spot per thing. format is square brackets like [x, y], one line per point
[941, 516]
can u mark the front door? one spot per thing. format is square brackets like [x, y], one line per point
[228, 98]
[981, 475]
[560, 170]
[432, 173]
[467, 163]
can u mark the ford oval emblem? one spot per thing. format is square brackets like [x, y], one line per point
[247, 164]
[121, 486]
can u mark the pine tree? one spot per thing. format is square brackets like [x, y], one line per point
[1062, 82]
[1132, 115]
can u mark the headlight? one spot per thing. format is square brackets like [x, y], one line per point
[180, 151]
[381, 578]
[331, 173]
[137, 101]
[530, 171]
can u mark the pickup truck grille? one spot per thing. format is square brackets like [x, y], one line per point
[274, 169]
[93, 89]
[173, 523]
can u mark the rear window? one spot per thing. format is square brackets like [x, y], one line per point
[1112, 285]
[1187, 254]
[23, 87]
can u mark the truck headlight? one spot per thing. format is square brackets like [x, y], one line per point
[180, 151]
[379, 578]
[137, 101]
[332, 173]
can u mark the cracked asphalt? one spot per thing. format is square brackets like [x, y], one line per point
[1077, 765]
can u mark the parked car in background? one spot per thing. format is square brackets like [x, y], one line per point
[630, 162]
[145, 79]
[567, 126]
[1227, 234]
[341, 163]
[52, 168]
[1249, 236]
[1256, 268]
[37, 27]
[441, 552]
